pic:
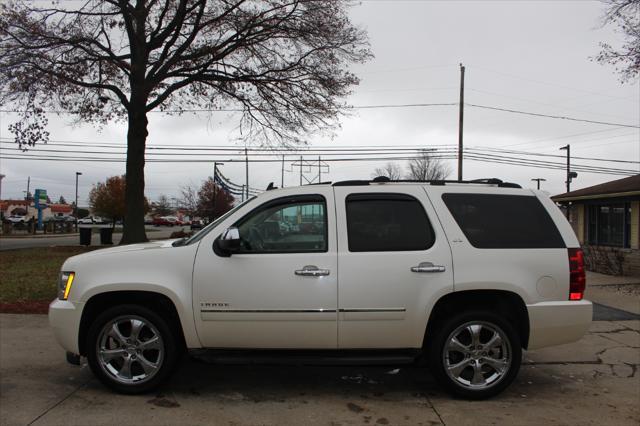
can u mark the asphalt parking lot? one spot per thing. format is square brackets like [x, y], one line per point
[593, 381]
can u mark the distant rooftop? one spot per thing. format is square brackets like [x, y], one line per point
[616, 188]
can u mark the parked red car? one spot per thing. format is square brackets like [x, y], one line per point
[165, 221]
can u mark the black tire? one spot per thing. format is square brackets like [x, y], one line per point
[441, 336]
[170, 344]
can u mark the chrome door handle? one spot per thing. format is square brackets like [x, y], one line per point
[427, 267]
[311, 271]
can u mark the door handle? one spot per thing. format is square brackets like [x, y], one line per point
[427, 267]
[311, 271]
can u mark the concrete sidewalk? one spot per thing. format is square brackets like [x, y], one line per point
[615, 291]
[593, 381]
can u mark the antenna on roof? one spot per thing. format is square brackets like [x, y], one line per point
[271, 186]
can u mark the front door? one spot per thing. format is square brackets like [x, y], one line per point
[280, 290]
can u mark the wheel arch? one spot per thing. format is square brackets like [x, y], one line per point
[157, 302]
[503, 302]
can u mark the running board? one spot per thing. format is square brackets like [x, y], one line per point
[306, 357]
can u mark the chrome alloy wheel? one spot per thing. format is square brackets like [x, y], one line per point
[130, 349]
[477, 355]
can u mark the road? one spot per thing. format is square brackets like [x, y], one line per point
[12, 243]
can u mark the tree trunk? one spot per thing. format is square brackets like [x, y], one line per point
[133, 225]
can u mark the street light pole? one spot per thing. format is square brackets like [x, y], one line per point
[75, 213]
[570, 174]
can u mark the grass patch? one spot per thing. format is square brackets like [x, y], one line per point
[28, 277]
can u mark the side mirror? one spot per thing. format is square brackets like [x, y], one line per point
[228, 242]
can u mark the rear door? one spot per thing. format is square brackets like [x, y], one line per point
[394, 262]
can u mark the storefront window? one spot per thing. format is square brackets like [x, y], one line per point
[609, 224]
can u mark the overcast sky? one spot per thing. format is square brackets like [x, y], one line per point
[531, 56]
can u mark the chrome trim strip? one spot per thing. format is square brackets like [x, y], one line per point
[271, 311]
[301, 311]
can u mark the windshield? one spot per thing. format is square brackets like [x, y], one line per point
[204, 231]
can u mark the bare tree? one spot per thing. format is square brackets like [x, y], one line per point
[162, 207]
[391, 170]
[626, 58]
[281, 63]
[189, 200]
[427, 167]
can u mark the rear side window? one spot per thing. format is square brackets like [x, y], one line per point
[387, 222]
[503, 221]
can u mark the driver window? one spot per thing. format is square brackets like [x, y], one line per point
[285, 227]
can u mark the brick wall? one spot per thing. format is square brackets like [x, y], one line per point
[635, 225]
[612, 260]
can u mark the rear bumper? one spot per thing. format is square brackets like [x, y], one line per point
[556, 323]
[64, 319]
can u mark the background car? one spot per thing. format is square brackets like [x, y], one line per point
[165, 221]
[15, 218]
[196, 224]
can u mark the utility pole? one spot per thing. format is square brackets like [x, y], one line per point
[246, 170]
[215, 184]
[539, 180]
[28, 185]
[319, 169]
[242, 199]
[301, 170]
[1, 177]
[282, 174]
[75, 213]
[460, 123]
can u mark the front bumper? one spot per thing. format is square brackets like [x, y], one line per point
[556, 323]
[64, 319]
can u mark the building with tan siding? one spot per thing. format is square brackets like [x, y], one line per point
[606, 219]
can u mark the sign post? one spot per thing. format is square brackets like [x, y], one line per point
[40, 203]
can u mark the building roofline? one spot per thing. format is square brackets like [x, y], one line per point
[560, 198]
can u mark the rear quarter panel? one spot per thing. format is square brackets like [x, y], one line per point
[536, 275]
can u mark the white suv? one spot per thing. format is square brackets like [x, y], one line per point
[460, 276]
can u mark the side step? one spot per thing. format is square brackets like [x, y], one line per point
[306, 357]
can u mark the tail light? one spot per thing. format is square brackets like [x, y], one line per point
[577, 278]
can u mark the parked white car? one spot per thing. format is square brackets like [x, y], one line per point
[460, 276]
[15, 218]
[88, 220]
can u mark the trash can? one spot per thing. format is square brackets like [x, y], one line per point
[85, 236]
[106, 236]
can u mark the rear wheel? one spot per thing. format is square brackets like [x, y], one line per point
[475, 355]
[131, 349]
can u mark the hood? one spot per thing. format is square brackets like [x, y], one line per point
[152, 245]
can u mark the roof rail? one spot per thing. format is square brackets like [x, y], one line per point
[384, 179]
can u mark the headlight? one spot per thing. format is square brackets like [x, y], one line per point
[64, 284]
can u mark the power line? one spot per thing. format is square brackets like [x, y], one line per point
[560, 117]
[573, 135]
[180, 111]
[417, 150]
[551, 84]
[476, 156]
[389, 106]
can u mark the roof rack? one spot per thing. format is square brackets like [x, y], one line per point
[384, 179]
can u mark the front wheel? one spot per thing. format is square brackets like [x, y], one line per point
[475, 355]
[131, 349]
